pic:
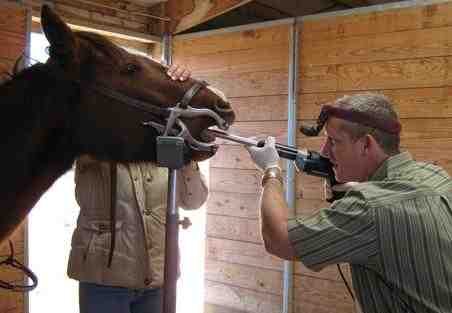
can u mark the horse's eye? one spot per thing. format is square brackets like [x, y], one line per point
[131, 68]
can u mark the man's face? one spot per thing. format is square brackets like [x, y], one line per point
[346, 154]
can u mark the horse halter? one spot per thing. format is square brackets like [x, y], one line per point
[181, 109]
[174, 125]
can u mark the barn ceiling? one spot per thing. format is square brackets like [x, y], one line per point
[267, 10]
[147, 20]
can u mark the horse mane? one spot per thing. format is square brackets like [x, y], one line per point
[32, 108]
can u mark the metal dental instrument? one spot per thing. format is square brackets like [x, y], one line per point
[310, 162]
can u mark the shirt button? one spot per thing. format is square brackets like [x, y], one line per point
[147, 211]
[147, 281]
[149, 179]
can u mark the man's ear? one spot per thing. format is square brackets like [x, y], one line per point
[59, 35]
[368, 144]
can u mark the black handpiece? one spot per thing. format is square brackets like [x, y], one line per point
[309, 162]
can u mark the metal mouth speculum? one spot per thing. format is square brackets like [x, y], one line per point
[175, 126]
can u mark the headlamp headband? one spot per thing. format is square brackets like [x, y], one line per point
[363, 118]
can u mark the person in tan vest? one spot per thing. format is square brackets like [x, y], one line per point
[132, 282]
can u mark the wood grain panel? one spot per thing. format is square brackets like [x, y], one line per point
[13, 19]
[260, 39]
[251, 84]
[233, 204]
[248, 182]
[10, 274]
[314, 295]
[426, 129]
[17, 238]
[233, 228]
[382, 47]
[79, 11]
[263, 129]
[232, 156]
[436, 151]
[240, 181]
[242, 61]
[413, 73]
[11, 302]
[243, 276]
[243, 253]
[309, 291]
[254, 254]
[410, 103]
[250, 67]
[241, 299]
[377, 22]
[264, 108]
[11, 45]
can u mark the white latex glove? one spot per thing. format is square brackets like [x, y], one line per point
[266, 156]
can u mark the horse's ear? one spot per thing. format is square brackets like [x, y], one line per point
[59, 35]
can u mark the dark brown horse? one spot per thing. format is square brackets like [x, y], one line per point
[91, 97]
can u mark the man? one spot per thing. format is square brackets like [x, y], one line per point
[133, 281]
[394, 226]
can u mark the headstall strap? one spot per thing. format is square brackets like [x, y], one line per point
[13, 262]
[191, 93]
[141, 105]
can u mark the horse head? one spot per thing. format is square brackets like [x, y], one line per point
[93, 97]
[120, 91]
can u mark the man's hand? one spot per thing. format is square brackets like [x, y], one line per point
[177, 72]
[266, 156]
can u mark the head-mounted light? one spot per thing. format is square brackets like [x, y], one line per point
[387, 125]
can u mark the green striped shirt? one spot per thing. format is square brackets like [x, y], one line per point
[395, 231]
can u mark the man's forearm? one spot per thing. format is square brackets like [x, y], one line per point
[273, 219]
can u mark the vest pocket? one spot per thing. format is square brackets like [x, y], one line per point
[96, 236]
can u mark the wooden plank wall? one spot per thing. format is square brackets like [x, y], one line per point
[251, 67]
[13, 38]
[405, 53]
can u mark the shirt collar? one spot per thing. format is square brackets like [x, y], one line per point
[391, 165]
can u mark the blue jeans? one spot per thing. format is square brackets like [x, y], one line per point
[95, 298]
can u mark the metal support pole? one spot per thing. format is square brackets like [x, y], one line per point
[171, 245]
[166, 49]
[291, 140]
[172, 218]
